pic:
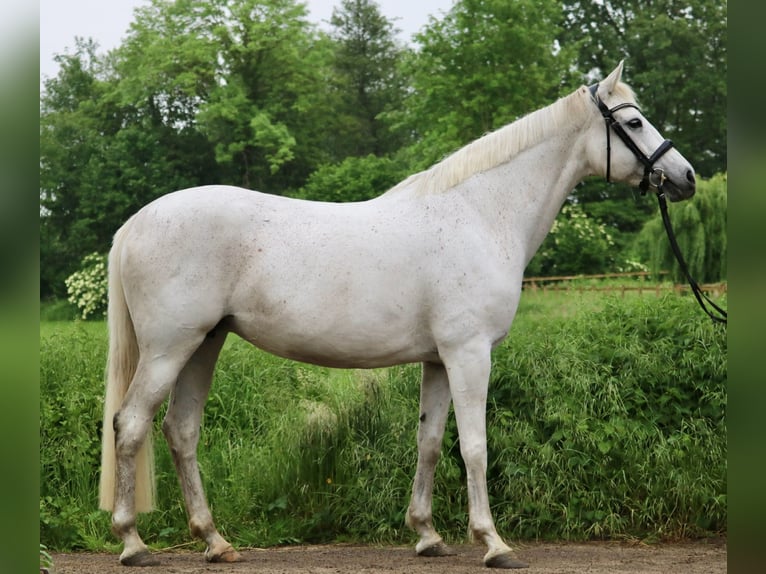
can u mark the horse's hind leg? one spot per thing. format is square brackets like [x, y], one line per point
[182, 430]
[434, 407]
[155, 375]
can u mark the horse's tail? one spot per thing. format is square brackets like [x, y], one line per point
[121, 366]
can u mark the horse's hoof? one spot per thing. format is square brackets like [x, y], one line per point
[506, 561]
[229, 555]
[438, 549]
[143, 558]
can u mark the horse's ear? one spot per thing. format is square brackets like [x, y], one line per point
[610, 82]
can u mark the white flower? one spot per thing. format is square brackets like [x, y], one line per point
[87, 288]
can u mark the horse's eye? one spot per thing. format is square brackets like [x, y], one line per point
[634, 124]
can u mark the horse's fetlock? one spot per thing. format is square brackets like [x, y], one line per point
[476, 532]
[416, 518]
[122, 524]
[199, 529]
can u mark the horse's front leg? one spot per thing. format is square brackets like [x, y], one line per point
[434, 407]
[468, 370]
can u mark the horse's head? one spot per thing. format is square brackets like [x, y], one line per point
[631, 149]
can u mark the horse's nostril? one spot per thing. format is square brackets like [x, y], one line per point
[690, 176]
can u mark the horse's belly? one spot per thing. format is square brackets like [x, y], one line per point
[341, 346]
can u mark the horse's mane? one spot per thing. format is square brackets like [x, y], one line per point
[500, 146]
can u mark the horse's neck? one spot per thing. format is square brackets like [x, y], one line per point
[521, 198]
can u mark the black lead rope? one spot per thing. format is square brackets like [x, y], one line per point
[696, 289]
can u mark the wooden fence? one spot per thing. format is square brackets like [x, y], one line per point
[570, 283]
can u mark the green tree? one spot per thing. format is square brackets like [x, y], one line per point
[700, 228]
[249, 75]
[486, 63]
[620, 207]
[169, 59]
[104, 152]
[354, 179]
[264, 115]
[366, 79]
[67, 145]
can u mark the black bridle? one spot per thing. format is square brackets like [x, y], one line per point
[611, 122]
[652, 177]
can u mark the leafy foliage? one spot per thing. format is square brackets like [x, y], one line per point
[243, 75]
[486, 63]
[354, 179]
[621, 208]
[639, 432]
[71, 378]
[578, 244]
[366, 81]
[87, 288]
[46, 560]
[700, 228]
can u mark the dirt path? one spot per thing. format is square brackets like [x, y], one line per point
[703, 557]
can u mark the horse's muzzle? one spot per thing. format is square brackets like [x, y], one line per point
[680, 190]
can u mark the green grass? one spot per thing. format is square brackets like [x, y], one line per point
[57, 310]
[628, 403]
[606, 419]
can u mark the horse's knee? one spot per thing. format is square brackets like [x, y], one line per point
[169, 429]
[474, 454]
[429, 448]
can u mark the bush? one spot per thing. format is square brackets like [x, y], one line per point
[700, 227]
[611, 423]
[578, 244]
[354, 179]
[87, 288]
[72, 359]
[58, 310]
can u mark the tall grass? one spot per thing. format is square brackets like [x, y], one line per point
[612, 424]
[606, 418]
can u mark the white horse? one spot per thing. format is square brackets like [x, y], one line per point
[428, 272]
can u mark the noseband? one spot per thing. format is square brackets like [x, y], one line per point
[648, 161]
